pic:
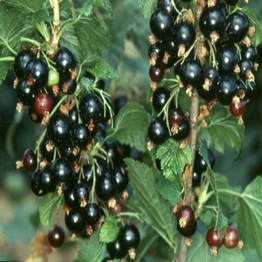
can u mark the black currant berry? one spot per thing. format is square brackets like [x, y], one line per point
[81, 194]
[249, 53]
[65, 61]
[100, 84]
[156, 52]
[157, 131]
[246, 67]
[36, 73]
[58, 129]
[231, 238]
[25, 93]
[69, 197]
[69, 86]
[175, 117]
[116, 249]
[119, 102]
[106, 186]
[29, 160]
[214, 238]
[47, 149]
[91, 107]
[43, 104]
[73, 116]
[56, 236]
[46, 179]
[92, 213]
[75, 221]
[181, 131]
[167, 5]
[80, 135]
[129, 236]
[160, 98]
[121, 178]
[161, 24]
[187, 231]
[69, 151]
[212, 22]
[112, 150]
[191, 73]
[156, 73]
[185, 217]
[226, 89]
[237, 26]
[21, 60]
[35, 186]
[227, 59]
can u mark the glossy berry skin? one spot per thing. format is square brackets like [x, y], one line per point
[47, 149]
[80, 135]
[157, 131]
[36, 73]
[129, 236]
[183, 131]
[91, 107]
[175, 117]
[156, 73]
[106, 186]
[92, 213]
[211, 77]
[121, 178]
[100, 84]
[75, 221]
[200, 164]
[238, 109]
[231, 2]
[237, 26]
[46, 180]
[63, 172]
[69, 86]
[191, 73]
[160, 98]
[81, 193]
[185, 216]
[112, 150]
[227, 59]
[73, 116]
[56, 236]
[58, 129]
[53, 78]
[167, 5]
[249, 53]
[20, 62]
[226, 89]
[246, 66]
[43, 104]
[25, 93]
[29, 160]
[161, 24]
[156, 51]
[231, 238]
[187, 231]
[119, 102]
[65, 61]
[69, 197]
[184, 34]
[214, 238]
[212, 20]
[116, 249]
[35, 185]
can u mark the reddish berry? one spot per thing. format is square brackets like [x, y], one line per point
[29, 160]
[42, 104]
[231, 237]
[56, 236]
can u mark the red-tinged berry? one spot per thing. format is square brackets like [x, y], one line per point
[237, 109]
[42, 104]
[185, 216]
[214, 240]
[156, 73]
[29, 160]
[56, 236]
[231, 238]
[187, 231]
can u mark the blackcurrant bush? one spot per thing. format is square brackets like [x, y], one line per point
[56, 236]
[157, 131]
[29, 160]
[237, 26]
[20, 62]
[161, 24]
[36, 73]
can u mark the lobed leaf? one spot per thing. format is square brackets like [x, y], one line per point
[156, 211]
[173, 159]
[131, 126]
[147, 7]
[103, 70]
[109, 230]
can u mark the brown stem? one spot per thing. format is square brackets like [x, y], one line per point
[182, 254]
[56, 21]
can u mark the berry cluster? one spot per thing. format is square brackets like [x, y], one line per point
[72, 156]
[204, 49]
[230, 239]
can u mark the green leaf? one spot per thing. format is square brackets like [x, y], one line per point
[106, 5]
[250, 216]
[170, 191]
[131, 126]
[147, 6]
[173, 159]
[91, 37]
[200, 249]
[156, 211]
[103, 70]
[86, 8]
[109, 230]
[222, 129]
[49, 205]
[24, 5]
[253, 21]
[221, 220]
[92, 250]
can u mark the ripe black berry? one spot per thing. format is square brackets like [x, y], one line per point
[156, 52]
[92, 213]
[129, 236]
[237, 26]
[69, 86]
[25, 93]
[65, 61]
[116, 249]
[100, 84]
[246, 67]
[56, 236]
[226, 89]
[157, 131]
[75, 221]
[187, 231]
[156, 73]
[36, 73]
[47, 149]
[35, 186]
[29, 160]
[21, 60]
[121, 178]
[80, 135]
[112, 150]
[46, 179]
[81, 194]
[161, 24]
[181, 131]
[249, 53]
[119, 102]
[160, 97]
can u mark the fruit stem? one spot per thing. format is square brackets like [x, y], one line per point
[6, 59]
[8, 46]
[182, 253]
[56, 21]
[31, 41]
